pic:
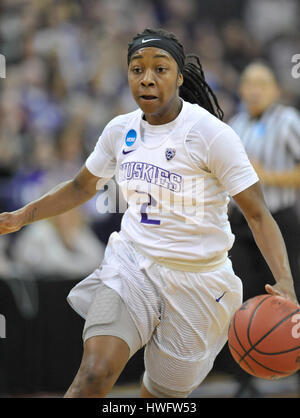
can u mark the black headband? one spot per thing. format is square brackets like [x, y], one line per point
[166, 44]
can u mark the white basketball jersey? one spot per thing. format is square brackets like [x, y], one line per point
[177, 211]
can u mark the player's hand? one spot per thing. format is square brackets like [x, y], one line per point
[279, 290]
[10, 222]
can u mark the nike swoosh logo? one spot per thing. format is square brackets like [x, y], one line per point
[127, 152]
[148, 40]
[219, 298]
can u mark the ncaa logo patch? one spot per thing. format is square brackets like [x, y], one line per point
[170, 153]
[130, 137]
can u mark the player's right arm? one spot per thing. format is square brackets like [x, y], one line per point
[58, 200]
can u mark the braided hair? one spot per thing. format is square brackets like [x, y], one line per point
[194, 88]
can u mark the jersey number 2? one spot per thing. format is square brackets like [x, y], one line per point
[144, 206]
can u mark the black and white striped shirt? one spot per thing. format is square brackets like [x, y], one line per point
[273, 140]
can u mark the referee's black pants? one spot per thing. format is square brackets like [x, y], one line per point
[247, 260]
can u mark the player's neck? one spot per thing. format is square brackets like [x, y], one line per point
[165, 115]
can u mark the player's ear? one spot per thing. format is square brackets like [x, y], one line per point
[179, 80]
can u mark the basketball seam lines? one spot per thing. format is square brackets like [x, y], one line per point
[253, 347]
[249, 326]
[234, 349]
[260, 364]
[242, 357]
[271, 330]
[253, 359]
[251, 319]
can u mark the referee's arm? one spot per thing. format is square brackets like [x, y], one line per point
[286, 178]
[269, 240]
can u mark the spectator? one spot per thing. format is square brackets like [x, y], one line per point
[63, 247]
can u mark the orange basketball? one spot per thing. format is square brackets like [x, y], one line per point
[264, 336]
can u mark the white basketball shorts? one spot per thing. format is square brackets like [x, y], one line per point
[182, 317]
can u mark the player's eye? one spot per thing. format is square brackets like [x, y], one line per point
[161, 69]
[136, 70]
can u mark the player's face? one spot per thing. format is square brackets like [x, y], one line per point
[258, 90]
[154, 81]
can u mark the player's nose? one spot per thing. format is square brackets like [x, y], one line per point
[148, 79]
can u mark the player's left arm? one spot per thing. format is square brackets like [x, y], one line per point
[268, 238]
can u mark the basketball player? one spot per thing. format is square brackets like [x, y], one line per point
[166, 282]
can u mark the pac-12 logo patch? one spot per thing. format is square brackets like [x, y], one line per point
[170, 153]
[130, 137]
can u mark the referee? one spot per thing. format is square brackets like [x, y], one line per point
[271, 136]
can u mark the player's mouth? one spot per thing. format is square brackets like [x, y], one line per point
[148, 98]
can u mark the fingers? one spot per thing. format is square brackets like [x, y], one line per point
[269, 289]
[288, 295]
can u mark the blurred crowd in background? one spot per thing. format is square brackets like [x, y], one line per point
[66, 78]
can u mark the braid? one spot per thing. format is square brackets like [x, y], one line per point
[194, 88]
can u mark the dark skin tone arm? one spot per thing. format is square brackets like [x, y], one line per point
[269, 240]
[60, 199]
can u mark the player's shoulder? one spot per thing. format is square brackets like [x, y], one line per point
[206, 125]
[118, 123]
